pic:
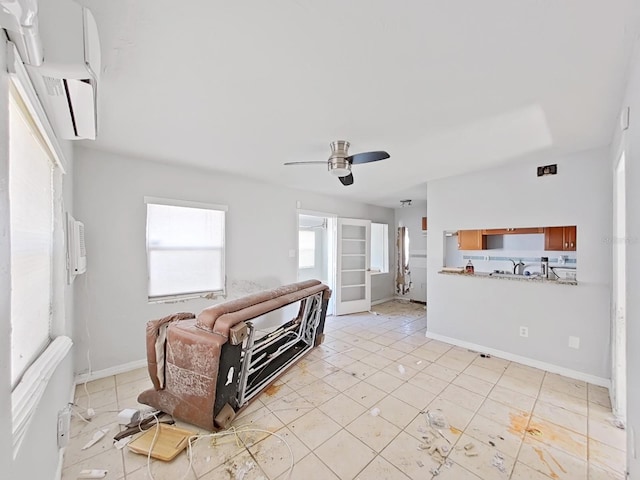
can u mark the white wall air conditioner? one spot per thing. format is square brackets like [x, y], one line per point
[76, 251]
[67, 79]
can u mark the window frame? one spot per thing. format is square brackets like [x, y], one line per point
[313, 265]
[186, 204]
[385, 249]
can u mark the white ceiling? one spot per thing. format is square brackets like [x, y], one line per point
[444, 86]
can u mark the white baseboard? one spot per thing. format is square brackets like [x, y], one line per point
[107, 372]
[530, 362]
[382, 300]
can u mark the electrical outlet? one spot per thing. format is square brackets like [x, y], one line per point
[574, 342]
[64, 421]
[524, 331]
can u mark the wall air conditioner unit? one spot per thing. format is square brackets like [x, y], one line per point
[76, 251]
[67, 80]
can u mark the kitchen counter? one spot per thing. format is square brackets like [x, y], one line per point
[511, 278]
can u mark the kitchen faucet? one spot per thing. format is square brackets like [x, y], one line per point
[518, 268]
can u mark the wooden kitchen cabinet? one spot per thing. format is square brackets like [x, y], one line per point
[512, 231]
[471, 240]
[560, 238]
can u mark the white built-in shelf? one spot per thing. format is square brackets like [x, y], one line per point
[353, 254]
[351, 286]
[353, 239]
[354, 270]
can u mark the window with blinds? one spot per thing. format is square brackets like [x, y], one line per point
[185, 248]
[31, 230]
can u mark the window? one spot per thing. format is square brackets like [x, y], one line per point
[31, 235]
[185, 248]
[379, 248]
[307, 249]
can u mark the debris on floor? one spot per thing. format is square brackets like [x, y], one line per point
[243, 469]
[434, 442]
[498, 462]
[96, 438]
[374, 412]
[401, 369]
[618, 423]
[485, 355]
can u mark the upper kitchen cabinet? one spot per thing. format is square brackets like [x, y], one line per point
[512, 231]
[471, 240]
[560, 238]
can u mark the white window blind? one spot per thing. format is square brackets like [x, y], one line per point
[31, 225]
[185, 249]
[306, 249]
[379, 247]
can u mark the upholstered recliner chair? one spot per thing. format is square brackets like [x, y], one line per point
[205, 369]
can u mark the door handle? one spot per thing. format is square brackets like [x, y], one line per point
[566, 244]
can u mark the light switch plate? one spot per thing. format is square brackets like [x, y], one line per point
[574, 342]
[524, 331]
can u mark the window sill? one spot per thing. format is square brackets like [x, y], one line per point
[26, 396]
[187, 296]
[379, 273]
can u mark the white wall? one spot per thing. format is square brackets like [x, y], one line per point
[41, 438]
[488, 312]
[111, 298]
[631, 140]
[411, 217]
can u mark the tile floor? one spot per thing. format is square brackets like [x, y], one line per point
[524, 423]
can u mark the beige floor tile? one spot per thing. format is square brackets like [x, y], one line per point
[379, 469]
[309, 468]
[523, 372]
[296, 378]
[133, 388]
[108, 459]
[374, 431]
[561, 416]
[426, 354]
[384, 381]
[428, 382]
[377, 361]
[519, 385]
[314, 428]
[241, 466]
[400, 370]
[598, 473]
[319, 392]
[262, 418]
[332, 455]
[561, 399]
[489, 432]
[403, 346]
[357, 353]
[606, 457]
[413, 395]
[341, 380]
[452, 363]
[599, 395]
[492, 363]
[482, 465]
[485, 374]
[557, 437]
[516, 400]
[570, 386]
[464, 398]
[473, 384]
[342, 409]
[321, 369]
[404, 453]
[457, 417]
[524, 472]
[106, 416]
[360, 370]
[207, 453]
[441, 372]
[553, 462]
[74, 453]
[438, 346]
[132, 376]
[273, 454]
[602, 428]
[396, 411]
[365, 394]
[97, 400]
[86, 388]
[391, 353]
[516, 420]
[453, 471]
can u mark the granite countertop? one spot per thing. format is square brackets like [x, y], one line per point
[511, 278]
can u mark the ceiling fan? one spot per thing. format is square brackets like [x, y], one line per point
[340, 162]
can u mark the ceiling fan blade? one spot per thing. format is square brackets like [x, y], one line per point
[346, 181]
[306, 163]
[366, 157]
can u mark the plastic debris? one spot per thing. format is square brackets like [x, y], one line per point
[616, 422]
[418, 362]
[469, 446]
[420, 464]
[374, 412]
[120, 444]
[498, 462]
[401, 369]
[485, 355]
[96, 438]
[436, 419]
[243, 470]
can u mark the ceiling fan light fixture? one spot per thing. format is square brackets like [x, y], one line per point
[340, 167]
